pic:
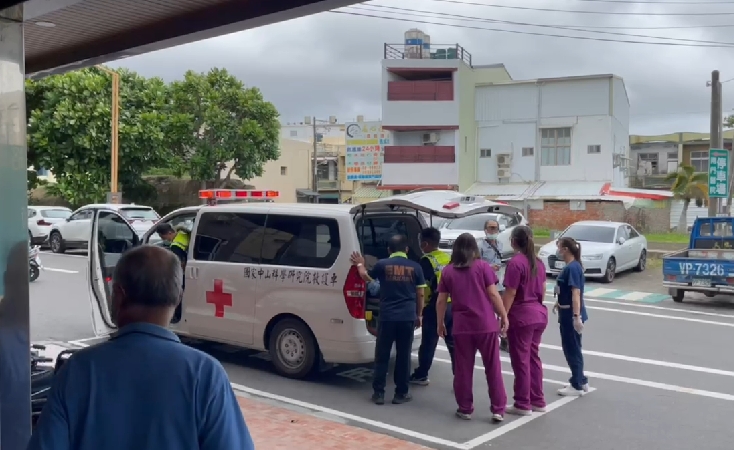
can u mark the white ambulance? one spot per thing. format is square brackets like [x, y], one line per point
[277, 276]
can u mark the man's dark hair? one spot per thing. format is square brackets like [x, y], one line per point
[431, 236]
[397, 243]
[150, 276]
[164, 228]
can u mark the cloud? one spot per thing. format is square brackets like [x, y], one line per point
[329, 64]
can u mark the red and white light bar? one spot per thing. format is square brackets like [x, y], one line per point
[234, 194]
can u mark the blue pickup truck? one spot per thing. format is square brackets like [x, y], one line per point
[707, 265]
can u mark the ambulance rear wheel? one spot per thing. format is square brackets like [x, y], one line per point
[677, 295]
[293, 348]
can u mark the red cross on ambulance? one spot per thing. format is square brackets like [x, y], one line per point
[219, 298]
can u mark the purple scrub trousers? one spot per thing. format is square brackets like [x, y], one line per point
[525, 358]
[466, 346]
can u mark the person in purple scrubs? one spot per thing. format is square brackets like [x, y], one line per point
[523, 299]
[472, 285]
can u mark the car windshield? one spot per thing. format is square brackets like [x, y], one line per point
[470, 223]
[591, 233]
[139, 214]
[56, 213]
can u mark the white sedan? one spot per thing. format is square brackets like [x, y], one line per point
[452, 229]
[607, 248]
[74, 231]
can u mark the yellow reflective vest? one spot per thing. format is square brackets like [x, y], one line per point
[438, 260]
[181, 241]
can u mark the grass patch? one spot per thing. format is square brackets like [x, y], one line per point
[654, 263]
[541, 232]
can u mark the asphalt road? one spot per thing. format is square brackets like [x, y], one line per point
[662, 374]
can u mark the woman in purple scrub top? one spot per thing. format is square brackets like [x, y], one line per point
[523, 299]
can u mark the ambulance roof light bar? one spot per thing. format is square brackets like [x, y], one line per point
[212, 195]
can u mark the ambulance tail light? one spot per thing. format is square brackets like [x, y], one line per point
[355, 293]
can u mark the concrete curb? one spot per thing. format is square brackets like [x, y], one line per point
[652, 253]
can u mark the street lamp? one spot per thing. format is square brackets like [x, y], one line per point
[115, 109]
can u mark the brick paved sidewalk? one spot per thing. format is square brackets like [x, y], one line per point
[276, 428]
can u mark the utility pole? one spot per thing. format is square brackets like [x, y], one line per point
[314, 185]
[716, 138]
[113, 196]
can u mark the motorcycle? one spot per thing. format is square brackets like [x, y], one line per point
[42, 375]
[34, 263]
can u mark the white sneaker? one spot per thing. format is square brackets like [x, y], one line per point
[569, 391]
[497, 418]
[585, 387]
[518, 412]
[539, 409]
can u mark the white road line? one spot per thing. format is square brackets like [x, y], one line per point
[661, 308]
[517, 423]
[634, 296]
[351, 417]
[51, 269]
[599, 291]
[635, 381]
[651, 362]
[657, 316]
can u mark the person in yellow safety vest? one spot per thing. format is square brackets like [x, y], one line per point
[432, 263]
[180, 247]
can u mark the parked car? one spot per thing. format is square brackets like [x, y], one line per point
[41, 219]
[452, 229]
[74, 231]
[607, 248]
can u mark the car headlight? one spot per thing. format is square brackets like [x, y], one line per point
[543, 253]
[592, 257]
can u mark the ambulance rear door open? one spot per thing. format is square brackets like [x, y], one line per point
[111, 235]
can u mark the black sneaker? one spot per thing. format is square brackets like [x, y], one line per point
[504, 345]
[399, 399]
[419, 381]
[378, 398]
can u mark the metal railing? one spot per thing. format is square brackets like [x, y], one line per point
[327, 184]
[437, 51]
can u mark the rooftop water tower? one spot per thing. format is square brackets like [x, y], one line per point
[414, 43]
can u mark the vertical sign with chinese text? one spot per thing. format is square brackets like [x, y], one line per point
[718, 173]
[366, 143]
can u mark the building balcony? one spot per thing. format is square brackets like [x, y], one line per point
[427, 51]
[420, 91]
[396, 154]
[657, 181]
[327, 185]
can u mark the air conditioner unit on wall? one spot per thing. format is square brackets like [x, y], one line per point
[504, 159]
[430, 138]
[504, 173]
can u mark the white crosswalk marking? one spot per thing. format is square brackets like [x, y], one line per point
[634, 296]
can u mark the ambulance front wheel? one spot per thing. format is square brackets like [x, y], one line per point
[293, 348]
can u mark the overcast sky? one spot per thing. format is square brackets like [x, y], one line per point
[329, 64]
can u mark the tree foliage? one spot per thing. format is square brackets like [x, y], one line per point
[69, 131]
[221, 128]
[688, 185]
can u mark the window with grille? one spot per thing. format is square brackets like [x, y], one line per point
[528, 151]
[700, 160]
[651, 158]
[485, 153]
[555, 147]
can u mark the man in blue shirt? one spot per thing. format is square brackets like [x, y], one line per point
[401, 303]
[143, 389]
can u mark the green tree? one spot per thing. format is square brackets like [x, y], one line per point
[688, 186]
[222, 128]
[69, 132]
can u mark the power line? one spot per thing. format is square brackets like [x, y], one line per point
[615, 13]
[529, 33]
[648, 2]
[433, 15]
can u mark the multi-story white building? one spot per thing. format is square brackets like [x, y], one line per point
[473, 128]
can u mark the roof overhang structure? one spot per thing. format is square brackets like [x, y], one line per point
[63, 35]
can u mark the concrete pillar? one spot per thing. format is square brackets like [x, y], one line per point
[15, 411]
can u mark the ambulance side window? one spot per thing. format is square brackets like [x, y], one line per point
[229, 237]
[299, 241]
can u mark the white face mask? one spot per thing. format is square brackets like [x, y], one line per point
[491, 236]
